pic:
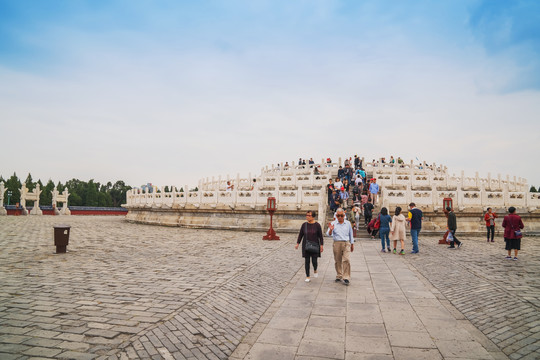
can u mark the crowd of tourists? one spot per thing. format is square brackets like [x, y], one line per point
[351, 187]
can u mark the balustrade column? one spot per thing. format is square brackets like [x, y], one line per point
[435, 197]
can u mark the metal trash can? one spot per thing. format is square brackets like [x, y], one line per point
[61, 238]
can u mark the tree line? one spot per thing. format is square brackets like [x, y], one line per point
[81, 193]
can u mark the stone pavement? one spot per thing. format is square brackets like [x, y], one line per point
[389, 311]
[126, 291]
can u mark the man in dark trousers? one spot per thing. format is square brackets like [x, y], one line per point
[452, 227]
[415, 219]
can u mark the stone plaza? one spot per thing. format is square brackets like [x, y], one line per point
[134, 291]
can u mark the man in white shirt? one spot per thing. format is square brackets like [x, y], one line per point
[342, 233]
[338, 184]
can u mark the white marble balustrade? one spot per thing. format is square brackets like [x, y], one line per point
[462, 198]
[212, 198]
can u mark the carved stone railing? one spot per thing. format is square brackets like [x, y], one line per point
[395, 175]
[463, 198]
[290, 198]
[297, 185]
[292, 176]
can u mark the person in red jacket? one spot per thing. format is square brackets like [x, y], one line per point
[512, 225]
[490, 223]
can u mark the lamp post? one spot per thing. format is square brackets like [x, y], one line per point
[271, 207]
[9, 193]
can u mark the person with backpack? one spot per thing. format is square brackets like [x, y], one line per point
[356, 194]
[368, 212]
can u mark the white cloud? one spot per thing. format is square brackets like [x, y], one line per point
[139, 109]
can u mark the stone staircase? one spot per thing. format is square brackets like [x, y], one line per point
[362, 228]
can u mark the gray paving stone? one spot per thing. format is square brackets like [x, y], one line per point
[42, 342]
[108, 334]
[206, 309]
[42, 351]
[7, 356]
[13, 339]
[271, 352]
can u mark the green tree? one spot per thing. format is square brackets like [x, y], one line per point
[91, 198]
[118, 193]
[77, 192]
[46, 195]
[106, 188]
[532, 189]
[60, 187]
[104, 199]
[30, 185]
[75, 200]
[14, 185]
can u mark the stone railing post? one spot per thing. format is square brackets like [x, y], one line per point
[435, 198]
[506, 194]
[35, 196]
[3, 210]
[460, 196]
[322, 209]
[483, 196]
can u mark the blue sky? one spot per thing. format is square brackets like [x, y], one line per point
[172, 91]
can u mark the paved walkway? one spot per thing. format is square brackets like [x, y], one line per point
[127, 291]
[388, 312]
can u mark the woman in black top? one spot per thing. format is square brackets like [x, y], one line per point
[310, 231]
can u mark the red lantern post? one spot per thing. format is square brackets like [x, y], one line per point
[271, 207]
[447, 202]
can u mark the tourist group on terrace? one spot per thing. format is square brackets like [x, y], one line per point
[352, 188]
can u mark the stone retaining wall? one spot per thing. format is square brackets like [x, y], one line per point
[238, 219]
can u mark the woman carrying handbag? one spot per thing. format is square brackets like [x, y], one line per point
[312, 244]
